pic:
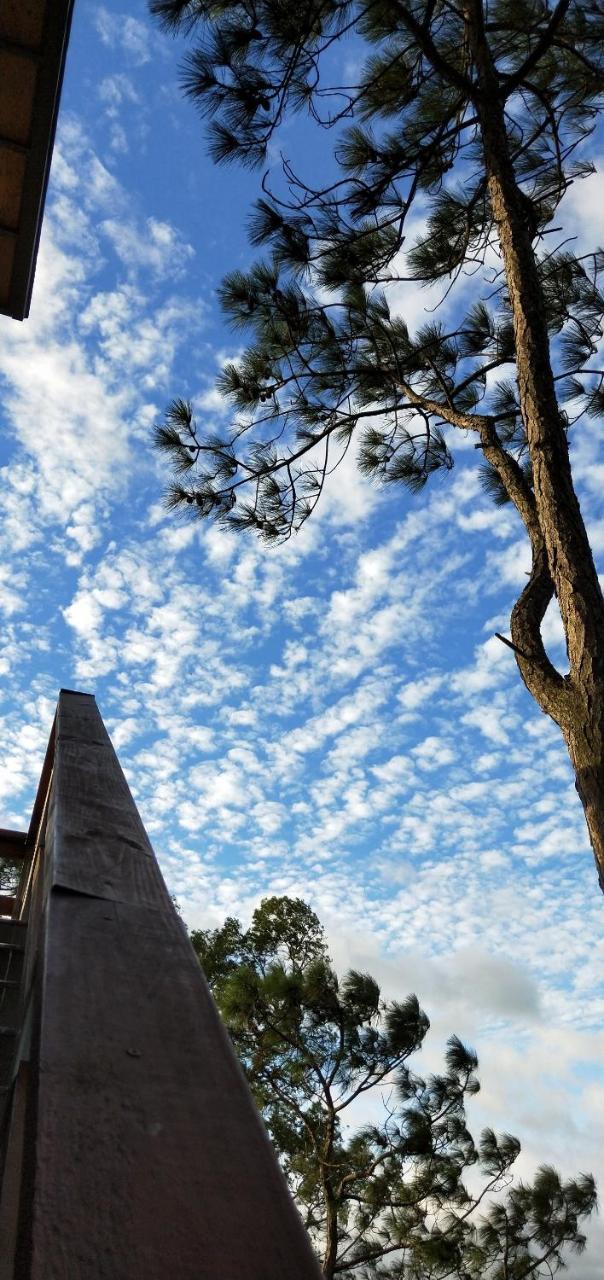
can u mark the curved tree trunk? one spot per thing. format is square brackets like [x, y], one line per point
[562, 558]
[330, 1253]
[585, 750]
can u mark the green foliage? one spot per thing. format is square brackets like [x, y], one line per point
[288, 930]
[388, 1198]
[219, 950]
[10, 874]
[329, 361]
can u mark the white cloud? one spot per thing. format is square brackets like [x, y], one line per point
[153, 246]
[492, 664]
[415, 692]
[510, 567]
[432, 753]
[93, 352]
[116, 91]
[122, 31]
[494, 722]
[581, 207]
[334, 718]
[12, 588]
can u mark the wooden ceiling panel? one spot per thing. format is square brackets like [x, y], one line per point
[33, 44]
[22, 21]
[12, 173]
[17, 88]
[7, 257]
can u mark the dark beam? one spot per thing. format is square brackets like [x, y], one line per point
[22, 50]
[10, 144]
[13, 844]
[144, 1153]
[33, 39]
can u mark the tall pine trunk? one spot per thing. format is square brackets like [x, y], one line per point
[576, 703]
[330, 1253]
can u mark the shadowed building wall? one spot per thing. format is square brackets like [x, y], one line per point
[133, 1148]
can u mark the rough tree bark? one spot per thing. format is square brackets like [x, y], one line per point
[485, 97]
[562, 559]
[330, 1254]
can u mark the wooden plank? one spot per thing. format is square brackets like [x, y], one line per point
[102, 847]
[30, 116]
[17, 92]
[22, 20]
[13, 844]
[12, 169]
[147, 1156]
[43, 789]
[7, 257]
[11, 1183]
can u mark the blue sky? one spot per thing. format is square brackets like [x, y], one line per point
[333, 718]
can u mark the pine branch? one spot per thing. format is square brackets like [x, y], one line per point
[446, 412]
[420, 31]
[515, 78]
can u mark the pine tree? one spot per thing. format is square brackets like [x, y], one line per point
[476, 115]
[10, 874]
[386, 1199]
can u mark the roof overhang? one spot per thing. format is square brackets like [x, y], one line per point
[33, 44]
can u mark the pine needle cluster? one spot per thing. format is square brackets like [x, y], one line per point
[389, 1198]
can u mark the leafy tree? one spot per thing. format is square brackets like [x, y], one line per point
[10, 874]
[385, 1199]
[474, 116]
